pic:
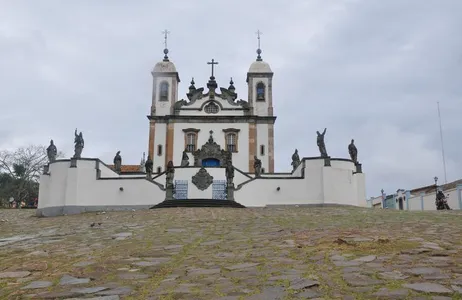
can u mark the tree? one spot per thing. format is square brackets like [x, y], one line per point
[20, 171]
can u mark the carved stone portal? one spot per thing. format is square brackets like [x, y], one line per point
[202, 180]
[211, 150]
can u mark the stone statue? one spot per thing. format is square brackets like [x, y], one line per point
[148, 166]
[353, 152]
[79, 144]
[257, 166]
[229, 172]
[321, 144]
[185, 159]
[52, 151]
[295, 160]
[118, 162]
[169, 174]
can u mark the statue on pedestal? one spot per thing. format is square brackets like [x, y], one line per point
[52, 151]
[169, 185]
[321, 143]
[185, 159]
[229, 172]
[148, 166]
[257, 166]
[79, 144]
[118, 162]
[353, 152]
[295, 160]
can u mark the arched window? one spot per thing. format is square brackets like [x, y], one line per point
[262, 150]
[164, 91]
[159, 150]
[159, 170]
[261, 91]
[231, 142]
[191, 139]
[211, 108]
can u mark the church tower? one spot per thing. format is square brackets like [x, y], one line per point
[260, 97]
[164, 95]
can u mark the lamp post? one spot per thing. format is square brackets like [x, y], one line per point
[436, 184]
[383, 198]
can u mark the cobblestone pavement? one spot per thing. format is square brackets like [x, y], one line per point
[214, 253]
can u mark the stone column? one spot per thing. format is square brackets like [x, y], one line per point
[230, 191]
[252, 144]
[422, 194]
[169, 192]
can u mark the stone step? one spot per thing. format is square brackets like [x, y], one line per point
[198, 203]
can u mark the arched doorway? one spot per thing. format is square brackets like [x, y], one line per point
[210, 162]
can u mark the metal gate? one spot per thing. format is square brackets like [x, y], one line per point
[181, 189]
[219, 190]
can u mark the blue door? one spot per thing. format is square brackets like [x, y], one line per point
[210, 162]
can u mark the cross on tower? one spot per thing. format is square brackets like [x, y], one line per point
[166, 33]
[213, 62]
[258, 37]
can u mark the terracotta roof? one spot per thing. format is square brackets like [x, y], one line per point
[431, 188]
[127, 168]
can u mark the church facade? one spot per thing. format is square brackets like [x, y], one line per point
[209, 146]
[245, 128]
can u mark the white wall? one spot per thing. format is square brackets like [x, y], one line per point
[160, 138]
[262, 139]
[240, 159]
[321, 185]
[79, 187]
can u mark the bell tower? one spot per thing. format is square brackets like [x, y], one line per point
[260, 97]
[164, 95]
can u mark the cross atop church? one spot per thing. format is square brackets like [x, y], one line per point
[213, 62]
[166, 33]
[259, 33]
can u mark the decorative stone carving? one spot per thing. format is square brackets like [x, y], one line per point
[52, 151]
[353, 152]
[295, 160]
[185, 159]
[257, 166]
[211, 150]
[79, 144]
[202, 180]
[148, 166]
[321, 143]
[118, 162]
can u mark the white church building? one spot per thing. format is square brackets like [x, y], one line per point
[200, 134]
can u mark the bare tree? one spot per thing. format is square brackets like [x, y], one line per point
[24, 165]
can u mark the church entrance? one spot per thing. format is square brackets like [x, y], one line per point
[400, 203]
[210, 162]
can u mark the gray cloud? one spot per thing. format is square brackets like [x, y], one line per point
[370, 70]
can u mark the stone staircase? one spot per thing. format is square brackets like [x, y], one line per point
[198, 203]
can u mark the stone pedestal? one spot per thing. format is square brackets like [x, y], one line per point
[230, 191]
[46, 169]
[73, 162]
[169, 191]
[359, 168]
[327, 161]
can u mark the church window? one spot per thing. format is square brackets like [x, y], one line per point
[231, 142]
[262, 149]
[261, 91]
[159, 170]
[164, 91]
[191, 139]
[159, 150]
[211, 108]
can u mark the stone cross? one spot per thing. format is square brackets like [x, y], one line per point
[213, 62]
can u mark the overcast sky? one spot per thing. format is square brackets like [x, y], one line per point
[372, 70]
